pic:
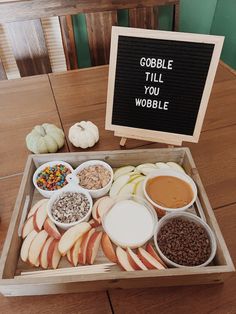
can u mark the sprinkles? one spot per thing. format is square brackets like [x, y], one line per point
[53, 178]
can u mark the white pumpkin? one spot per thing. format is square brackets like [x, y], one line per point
[84, 134]
[45, 138]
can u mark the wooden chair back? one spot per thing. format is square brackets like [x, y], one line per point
[30, 31]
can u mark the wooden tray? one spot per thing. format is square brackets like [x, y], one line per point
[11, 284]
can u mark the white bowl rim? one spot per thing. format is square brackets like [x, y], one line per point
[172, 173]
[91, 162]
[69, 188]
[192, 217]
[145, 203]
[43, 166]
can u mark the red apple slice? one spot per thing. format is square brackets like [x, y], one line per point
[36, 246]
[68, 255]
[123, 259]
[28, 227]
[95, 211]
[149, 261]
[104, 205]
[24, 252]
[134, 260]
[51, 229]
[108, 249]
[84, 245]
[43, 259]
[71, 236]
[56, 257]
[149, 248]
[40, 217]
[75, 251]
[50, 252]
[93, 246]
[94, 223]
[36, 206]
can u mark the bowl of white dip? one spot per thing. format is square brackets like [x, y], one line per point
[130, 222]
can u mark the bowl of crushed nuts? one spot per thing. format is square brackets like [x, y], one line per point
[184, 240]
[70, 206]
[95, 176]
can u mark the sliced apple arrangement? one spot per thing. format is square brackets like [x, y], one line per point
[43, 244]
[41, 238]
[129, 179]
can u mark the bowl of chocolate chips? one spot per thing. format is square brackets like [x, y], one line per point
[70, 206]
[184, 240]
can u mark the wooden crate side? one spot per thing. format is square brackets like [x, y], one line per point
[10, 252]
[126, 280]
[222, 255]
[116, 158]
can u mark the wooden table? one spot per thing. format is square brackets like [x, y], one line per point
[66, 98]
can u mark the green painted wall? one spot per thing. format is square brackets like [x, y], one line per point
[224, 23]
[196, 16]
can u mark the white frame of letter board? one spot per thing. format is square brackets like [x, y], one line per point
[159, 136]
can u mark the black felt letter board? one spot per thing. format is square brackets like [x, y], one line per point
[180, 87]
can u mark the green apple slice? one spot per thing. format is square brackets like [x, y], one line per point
[162, 165]
[127, 189]
[175, 166]
[137, 179]
[138, 189]
[122, 171]
[147, 165]
[118, 184]
[134, 177]
[147, 170]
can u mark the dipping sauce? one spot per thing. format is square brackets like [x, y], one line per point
[169, 192]
[129, 224]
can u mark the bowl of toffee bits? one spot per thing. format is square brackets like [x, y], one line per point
[184, 240]
[95, 176]
[69, 207]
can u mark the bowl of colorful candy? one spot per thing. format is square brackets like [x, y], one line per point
[51, 177]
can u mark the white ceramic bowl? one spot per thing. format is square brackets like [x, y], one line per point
[126, 226]
[171, 173]
[69, 188]
[46, 193]
[100, 192]
[189, 217]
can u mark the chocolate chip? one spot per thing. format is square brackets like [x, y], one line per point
[184, 242]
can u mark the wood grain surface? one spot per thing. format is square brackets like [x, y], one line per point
[82, 95]
[67, 32]
[24, 104]
[29, 47]
[99, 35]
[25, 10]
[144, 18]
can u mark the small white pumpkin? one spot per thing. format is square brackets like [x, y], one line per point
[84, 134]
[45, 138]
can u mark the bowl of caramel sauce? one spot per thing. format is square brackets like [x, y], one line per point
[170, 190]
